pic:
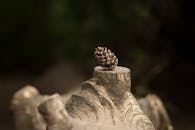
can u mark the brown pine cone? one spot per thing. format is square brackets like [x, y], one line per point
[106, 58]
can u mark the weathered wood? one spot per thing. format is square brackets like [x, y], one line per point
[107, 99]
[155, 110]
[24, 105]
[116, 83]
[103, 103]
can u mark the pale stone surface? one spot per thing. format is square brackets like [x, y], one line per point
[103, 103]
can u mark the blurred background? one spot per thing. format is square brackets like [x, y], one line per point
[50, 44]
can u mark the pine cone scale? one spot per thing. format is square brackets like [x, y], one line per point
[106, 58]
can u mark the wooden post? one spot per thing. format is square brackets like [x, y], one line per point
[116, 82]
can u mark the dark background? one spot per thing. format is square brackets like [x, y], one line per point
[50, 44]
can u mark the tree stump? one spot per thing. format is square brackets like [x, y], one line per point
[104, 102]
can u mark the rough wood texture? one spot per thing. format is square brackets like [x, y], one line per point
[24, 105]
[154, 109]
[103, 103]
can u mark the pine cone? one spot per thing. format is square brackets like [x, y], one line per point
[106, 58]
